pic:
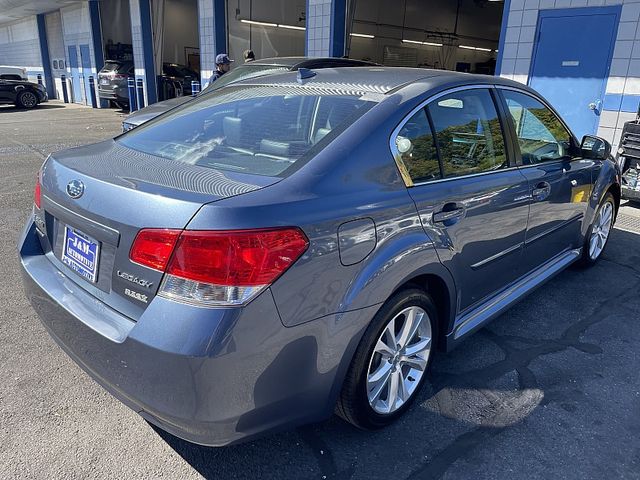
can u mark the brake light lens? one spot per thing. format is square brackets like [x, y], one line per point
[153, 247]
[37, 193]
[212, 268]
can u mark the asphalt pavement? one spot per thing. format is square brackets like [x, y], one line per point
[549, 390]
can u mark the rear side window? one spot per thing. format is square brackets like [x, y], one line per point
[468, 133]
[260, 130]
[10, 76]
[541, 135]
[417, 148]
[455, 135]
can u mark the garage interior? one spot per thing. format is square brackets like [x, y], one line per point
[271, 29]
[175, 41]
[116, 30]
[460, 35]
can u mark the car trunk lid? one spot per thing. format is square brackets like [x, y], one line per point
[118, 192]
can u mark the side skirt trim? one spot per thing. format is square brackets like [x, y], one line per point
[494, 306]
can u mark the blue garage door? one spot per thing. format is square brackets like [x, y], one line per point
[85, 58]
[571, 62]
[75, 74]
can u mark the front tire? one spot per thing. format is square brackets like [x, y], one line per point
[390, 364]
[599, 231]
[27, 99]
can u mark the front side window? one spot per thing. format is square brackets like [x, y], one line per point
[541, 135]
[259, 130]
[468, 133]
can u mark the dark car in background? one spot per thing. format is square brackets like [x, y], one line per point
[181, 77]
[22, 93]
[629, 160]
[292, 246]
[113, 77]
[245, 71]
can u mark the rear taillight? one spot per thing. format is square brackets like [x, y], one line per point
[153, 247]
[218, 267]
[37, 192]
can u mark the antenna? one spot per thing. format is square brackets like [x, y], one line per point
[304, 74]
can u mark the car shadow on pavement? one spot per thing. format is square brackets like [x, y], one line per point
[42, 106]
[531, 371]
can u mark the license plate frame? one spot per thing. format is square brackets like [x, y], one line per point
[81, 253]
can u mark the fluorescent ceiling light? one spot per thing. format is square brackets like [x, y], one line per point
[291, 27]
[362, 35]
[430, 44]
[480, 49]
[255, 22]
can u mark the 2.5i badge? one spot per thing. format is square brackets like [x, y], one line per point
[138, 296]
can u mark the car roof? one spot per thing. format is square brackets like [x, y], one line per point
[309, 62]
[378, 79]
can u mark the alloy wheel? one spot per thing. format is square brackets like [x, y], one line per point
[28, 100]
[600, 230]
[399, 360]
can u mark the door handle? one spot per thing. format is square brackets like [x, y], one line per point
[595, 106]
[541, 191]
[450, 213]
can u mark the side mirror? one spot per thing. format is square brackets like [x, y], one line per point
[595, 148]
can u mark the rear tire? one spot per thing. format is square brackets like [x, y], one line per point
[393, 356]
[27, 99]
[598, 234]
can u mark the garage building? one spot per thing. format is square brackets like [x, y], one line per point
[583, 55]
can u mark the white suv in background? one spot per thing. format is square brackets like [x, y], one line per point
[13, 73]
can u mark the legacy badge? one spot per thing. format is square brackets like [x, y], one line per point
[133, 279]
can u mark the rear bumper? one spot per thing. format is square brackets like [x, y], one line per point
[209, 376]
[630, 193]
[118, 94]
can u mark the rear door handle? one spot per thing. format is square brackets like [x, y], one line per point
[450, 213]
[541, 191]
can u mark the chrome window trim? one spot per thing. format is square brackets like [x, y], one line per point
[408, 181]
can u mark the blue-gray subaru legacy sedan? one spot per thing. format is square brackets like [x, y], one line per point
[301, 244]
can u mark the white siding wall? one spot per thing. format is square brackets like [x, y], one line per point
[53, 22]
[20, 46]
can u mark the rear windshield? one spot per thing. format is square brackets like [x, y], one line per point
[261, 130]
[177, 71]
[244, 72]
[110, 66]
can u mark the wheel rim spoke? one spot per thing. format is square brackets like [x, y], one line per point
[410, 327]
[392, 398]
[404, 391]
[381, 372]
[378, 386]
[384, 350]
[416, 362]
[416, 348]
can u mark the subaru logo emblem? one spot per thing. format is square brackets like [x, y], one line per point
[75, 188]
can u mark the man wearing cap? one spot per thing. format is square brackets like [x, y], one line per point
[223, 65]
